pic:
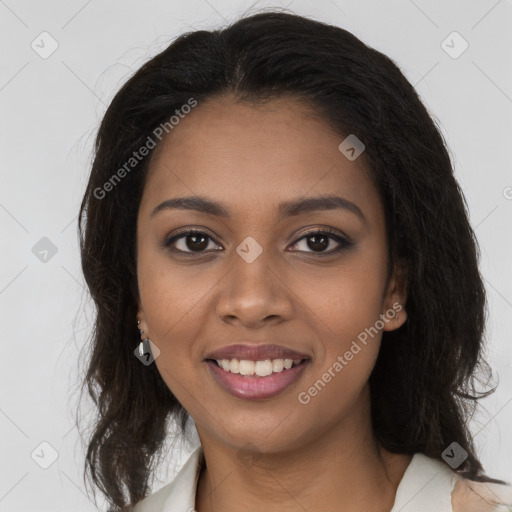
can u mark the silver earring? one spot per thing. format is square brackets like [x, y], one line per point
[143, 342]
[143, 350]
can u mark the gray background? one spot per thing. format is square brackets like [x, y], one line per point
[50, 109]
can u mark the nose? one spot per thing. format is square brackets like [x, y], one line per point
[254, 294]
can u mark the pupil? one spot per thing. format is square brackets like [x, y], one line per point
[319, 237]
[195, 237]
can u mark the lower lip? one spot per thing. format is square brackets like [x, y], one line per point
[252, 387]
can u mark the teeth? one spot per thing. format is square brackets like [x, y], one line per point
[234, 366]
[277, 365]
[263, 368]
[246, 367]
[259, 368]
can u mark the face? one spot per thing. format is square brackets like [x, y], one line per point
[310, 280]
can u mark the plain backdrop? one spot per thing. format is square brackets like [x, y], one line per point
[61, 64]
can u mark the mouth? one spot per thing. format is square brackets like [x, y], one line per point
[261, 368]
[256, 380]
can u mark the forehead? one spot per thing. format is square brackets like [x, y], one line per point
[246, 154]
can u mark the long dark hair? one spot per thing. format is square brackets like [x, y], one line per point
[423, 385]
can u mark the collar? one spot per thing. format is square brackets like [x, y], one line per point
[180, 494]
[426, 482]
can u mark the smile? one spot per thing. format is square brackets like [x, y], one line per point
[256, 379]
[259, 368]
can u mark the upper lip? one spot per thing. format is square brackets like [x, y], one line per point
[255, 352]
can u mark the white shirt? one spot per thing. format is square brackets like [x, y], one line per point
[426, 486]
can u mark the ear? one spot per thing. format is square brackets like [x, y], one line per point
[394, 313]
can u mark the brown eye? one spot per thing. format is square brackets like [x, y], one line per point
[318, 241]
[194, 241]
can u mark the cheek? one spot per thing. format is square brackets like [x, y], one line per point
[349, 344]
[172, 295]
[344, 309]
[345, 300]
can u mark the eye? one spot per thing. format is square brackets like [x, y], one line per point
[321, 239]
[193, 241]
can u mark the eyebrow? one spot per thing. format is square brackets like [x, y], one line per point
[286, 209]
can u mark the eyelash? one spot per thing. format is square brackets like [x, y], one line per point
[344, 243]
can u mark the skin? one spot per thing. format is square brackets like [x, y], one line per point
[468, 496]
[305, 457]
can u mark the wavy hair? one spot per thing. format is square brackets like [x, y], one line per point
[423, 386]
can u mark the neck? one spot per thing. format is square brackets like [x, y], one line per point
[343, 469]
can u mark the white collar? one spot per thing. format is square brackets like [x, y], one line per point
[180, 494]
[426, 485]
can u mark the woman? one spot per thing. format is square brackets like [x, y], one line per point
[275, 211]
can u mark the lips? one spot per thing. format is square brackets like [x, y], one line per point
[255, 352]
[253, 387]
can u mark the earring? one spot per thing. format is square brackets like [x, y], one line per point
[143, 342]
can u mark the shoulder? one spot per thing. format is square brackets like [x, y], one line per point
[429, 482]
[470, 496]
